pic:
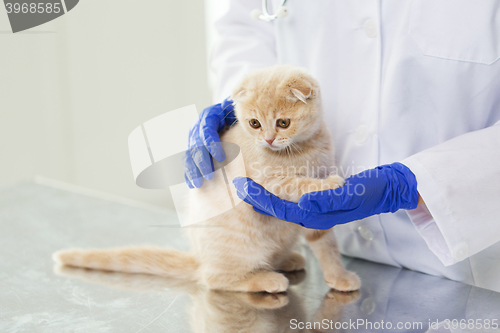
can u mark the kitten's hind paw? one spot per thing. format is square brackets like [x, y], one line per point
[295, 262]
[295, 277]
[272, 283]
[348, 281]
[267, 301]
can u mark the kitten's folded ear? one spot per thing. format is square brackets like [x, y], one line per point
[237, 95]
[239, 91]
[301, 90]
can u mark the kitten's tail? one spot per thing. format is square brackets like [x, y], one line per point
[135, 259]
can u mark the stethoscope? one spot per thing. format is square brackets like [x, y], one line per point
[264, 14]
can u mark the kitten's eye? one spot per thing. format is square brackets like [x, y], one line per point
[283, 123]
[254, 123]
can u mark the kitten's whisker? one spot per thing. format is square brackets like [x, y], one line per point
[296, 147]
[289, 154]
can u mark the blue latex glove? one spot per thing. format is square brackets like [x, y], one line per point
[384, 189]
[204, 141]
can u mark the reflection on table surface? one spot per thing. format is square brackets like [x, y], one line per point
[36, 296]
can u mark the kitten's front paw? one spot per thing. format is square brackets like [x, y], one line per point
[347, 281]
[335, 181]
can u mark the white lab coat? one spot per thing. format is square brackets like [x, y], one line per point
[410, 81]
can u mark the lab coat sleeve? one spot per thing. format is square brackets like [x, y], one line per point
[243, 44]
[459, 181]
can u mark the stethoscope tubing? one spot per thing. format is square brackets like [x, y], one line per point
[265, 13]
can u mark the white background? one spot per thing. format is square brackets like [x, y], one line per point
[73, 89]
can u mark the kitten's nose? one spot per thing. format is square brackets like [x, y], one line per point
[270, 141]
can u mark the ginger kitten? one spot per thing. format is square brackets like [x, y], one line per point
[286, 148]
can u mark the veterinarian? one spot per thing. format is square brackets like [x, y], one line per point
[411, 94]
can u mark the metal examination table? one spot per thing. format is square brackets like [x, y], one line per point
[37, 219]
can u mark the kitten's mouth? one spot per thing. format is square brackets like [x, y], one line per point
[276, 148]
[272, 147]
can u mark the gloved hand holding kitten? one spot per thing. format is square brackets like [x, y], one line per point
[204, 141]
[384, 189]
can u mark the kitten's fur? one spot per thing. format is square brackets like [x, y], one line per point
[248, 248]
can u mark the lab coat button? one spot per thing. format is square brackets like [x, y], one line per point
[361, 134]
[365, 233]
[461, 252]
[370, 28]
